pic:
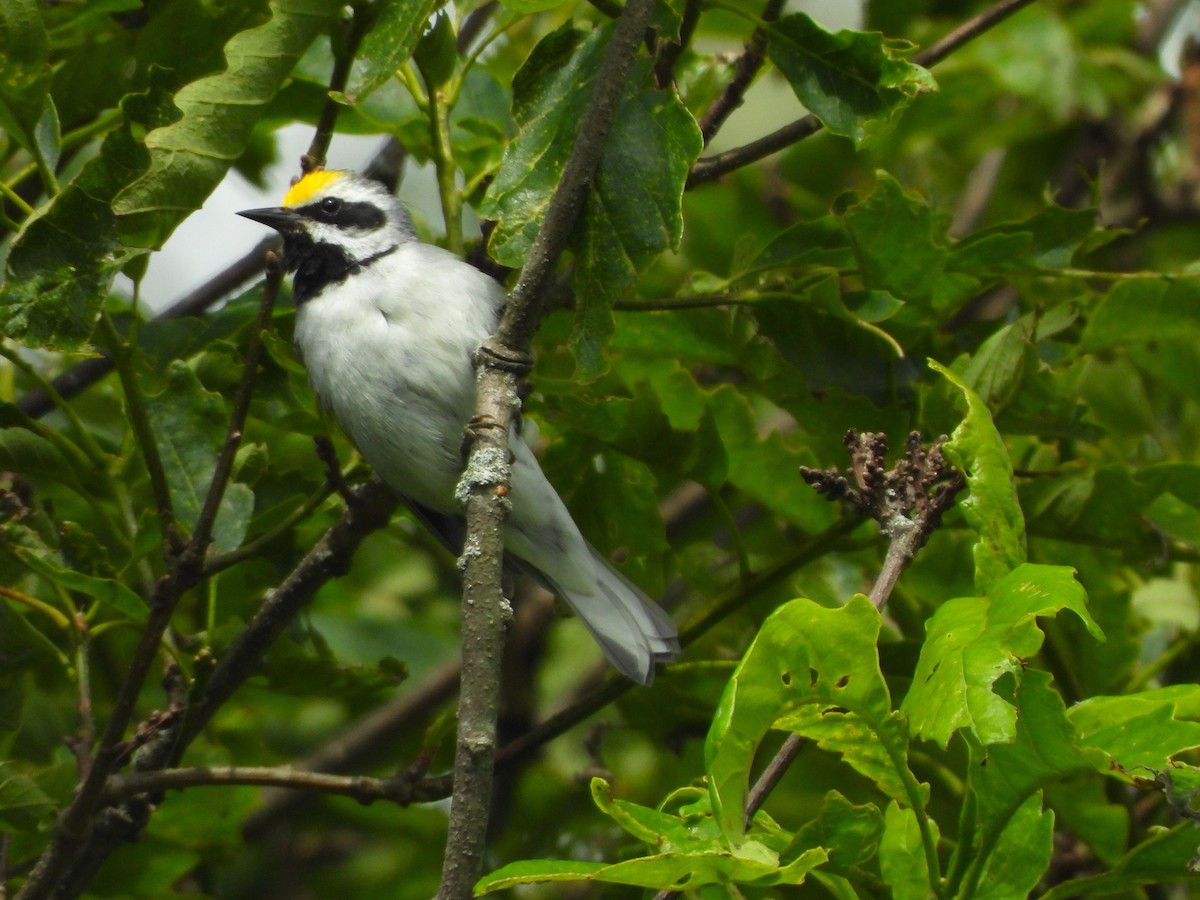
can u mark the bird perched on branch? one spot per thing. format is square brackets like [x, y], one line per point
[387, 327]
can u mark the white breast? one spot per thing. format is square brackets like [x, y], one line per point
[389, 352]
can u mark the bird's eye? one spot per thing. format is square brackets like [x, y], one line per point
[330, 205]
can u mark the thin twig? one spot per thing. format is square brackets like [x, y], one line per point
[746, 67]
[968, 31]
[223, 470]
[139, 420]
[711, 168]
[345, 46]
[362, 788]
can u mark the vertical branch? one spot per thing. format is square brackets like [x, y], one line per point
[502, 359]
[353, 30]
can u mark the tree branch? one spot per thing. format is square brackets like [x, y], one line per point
[351, 36]
[710, 168]
[362, 788]
[502, 359]
[355, 748]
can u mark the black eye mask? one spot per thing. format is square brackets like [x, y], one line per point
[344, 214]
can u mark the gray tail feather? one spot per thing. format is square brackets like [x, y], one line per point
[634, 632]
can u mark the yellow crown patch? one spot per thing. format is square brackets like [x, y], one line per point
[311, 185]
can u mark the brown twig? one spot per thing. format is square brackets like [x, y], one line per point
[223, 470]
[968, 31]
[908, 500]
[352, 750]
[345, 46]
[362, 788]
[746, 67]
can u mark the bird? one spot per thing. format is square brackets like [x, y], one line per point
[387, 327]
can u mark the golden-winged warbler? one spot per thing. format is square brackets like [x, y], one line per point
[387, 327]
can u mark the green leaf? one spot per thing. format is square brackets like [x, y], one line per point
[1136, 731]
[632, 211]
[816, 670]
[189, 426]
[536, 871]
[34, 456]
[902, 859]
[972, 641]
[395, 29]
[1145, 311]
[992, 509]
[63, 261]
[827, 343]
[436, 53]
[849, 832]
[217, 115]
[1004, 777]
[854, 82]
[995, 370]
[23, 805]
[901, 250]
[691, 852]
[1021, 855]
[104, 590]
[27, 111]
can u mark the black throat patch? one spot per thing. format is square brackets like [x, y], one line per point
[319, 265]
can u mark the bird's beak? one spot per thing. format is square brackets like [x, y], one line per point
[278, 217]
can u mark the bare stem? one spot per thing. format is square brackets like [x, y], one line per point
[352, 34]
[745, 69]
[362, 788]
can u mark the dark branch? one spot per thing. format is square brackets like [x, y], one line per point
[746, 67]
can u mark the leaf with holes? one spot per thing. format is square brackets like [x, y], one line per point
[816, 669]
